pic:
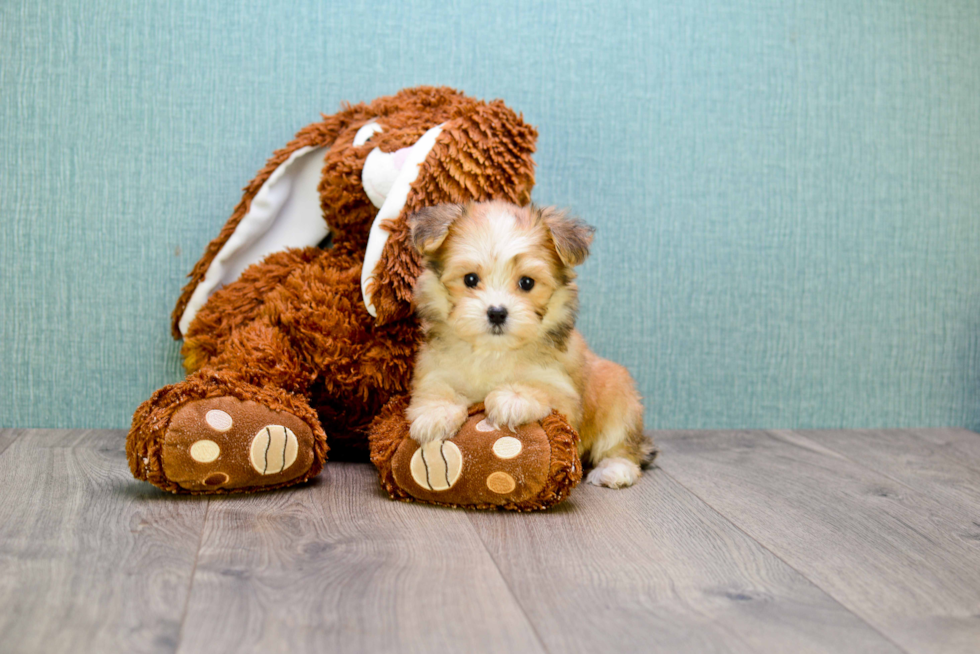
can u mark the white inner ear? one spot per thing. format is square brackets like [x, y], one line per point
[285, 213]
[378, 175]
[365, 133]
[393, 205]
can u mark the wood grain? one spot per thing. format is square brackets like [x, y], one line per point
[336, 566]
[861, 541]
[960, 444]
[8, 436]
[936, 462]
[892, 554]
[653, 568]
[90, 559]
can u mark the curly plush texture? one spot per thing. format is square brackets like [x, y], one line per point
[492, 169]
[292, 333]
[297, 319]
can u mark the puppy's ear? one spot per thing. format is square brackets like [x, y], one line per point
[572, 237]
[431, 225]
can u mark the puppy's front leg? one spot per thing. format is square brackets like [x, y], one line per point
[436, 413]
[516, 404]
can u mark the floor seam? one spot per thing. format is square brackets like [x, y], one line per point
[785, 562]
[190, 585]
[503, 577]
[13, 439]
[970, 464]
[852, 460]
[921, 493]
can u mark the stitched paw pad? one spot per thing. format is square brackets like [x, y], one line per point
[483, 464]
[223, 443]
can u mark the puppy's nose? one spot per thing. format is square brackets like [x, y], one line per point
[497, 315]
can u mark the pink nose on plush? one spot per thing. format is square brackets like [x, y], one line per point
[400, 156]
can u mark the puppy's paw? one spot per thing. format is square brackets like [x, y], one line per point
[435, 421]
[614, 472]
[507, 407]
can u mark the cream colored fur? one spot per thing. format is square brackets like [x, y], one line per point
[535, 361]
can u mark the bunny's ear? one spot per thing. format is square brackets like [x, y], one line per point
[392, 207]
[284, 213]
[280, 209]
[483, 154]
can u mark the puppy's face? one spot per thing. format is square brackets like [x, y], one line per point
[499, 276]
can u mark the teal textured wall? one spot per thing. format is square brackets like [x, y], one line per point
[787, 193]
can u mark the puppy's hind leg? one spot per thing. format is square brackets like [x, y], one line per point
[612, 426]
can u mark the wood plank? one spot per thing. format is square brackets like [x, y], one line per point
[931, 461]
[891, 554]
[335, 566]
[8, 436]
[959, 443]
[652, 568]
[91, 560]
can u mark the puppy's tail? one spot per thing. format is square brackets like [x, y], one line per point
[648, 450]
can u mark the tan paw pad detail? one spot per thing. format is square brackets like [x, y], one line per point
[218, 420]
[205, 451]
[216, 479]
[273, 449]
[222, 444]
[501, 483]
[486, 426]
[437, 465]
[507, 447]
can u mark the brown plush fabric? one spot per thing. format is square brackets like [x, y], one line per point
[147, 440]
[317, 134]
[226, 443]
[540, 476]
[474, 158]
[312, 336]
[292, 333]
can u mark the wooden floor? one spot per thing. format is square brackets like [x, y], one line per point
[755, 541]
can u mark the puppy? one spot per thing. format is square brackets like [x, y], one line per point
[497, 303]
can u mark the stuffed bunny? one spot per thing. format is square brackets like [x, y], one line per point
[297, 321]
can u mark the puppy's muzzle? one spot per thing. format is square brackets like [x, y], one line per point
[497, 316]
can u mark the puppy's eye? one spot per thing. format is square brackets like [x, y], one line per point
[526, 283]
[471, 280]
